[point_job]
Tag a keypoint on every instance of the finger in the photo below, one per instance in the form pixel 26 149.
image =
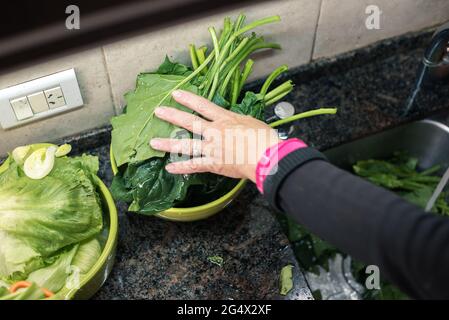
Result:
pixel 182 146
pixel 195 165
pixel 182 119
pixel 199 104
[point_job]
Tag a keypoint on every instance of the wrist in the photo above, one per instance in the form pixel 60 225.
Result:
pixel 268 162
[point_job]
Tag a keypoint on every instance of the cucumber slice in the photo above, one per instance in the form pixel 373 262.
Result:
pixel 19 154
pixel 40 163
pixel 63 150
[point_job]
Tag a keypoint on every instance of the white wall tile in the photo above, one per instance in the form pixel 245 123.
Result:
pixel 126 59
pixel 98 109
pixel 341 26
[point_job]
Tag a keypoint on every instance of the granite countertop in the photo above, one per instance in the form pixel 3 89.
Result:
pixel 157 259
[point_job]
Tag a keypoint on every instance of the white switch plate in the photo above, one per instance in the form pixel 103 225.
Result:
pixel 22 108
pixel 66 80
pixel 38 102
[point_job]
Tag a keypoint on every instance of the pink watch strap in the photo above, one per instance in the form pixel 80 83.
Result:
pixel 272 156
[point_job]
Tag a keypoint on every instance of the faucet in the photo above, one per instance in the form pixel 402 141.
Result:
pixel 434 66
pixel 436 58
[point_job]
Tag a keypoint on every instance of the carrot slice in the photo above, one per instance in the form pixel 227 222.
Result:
pixel 26 284
pixel 19 285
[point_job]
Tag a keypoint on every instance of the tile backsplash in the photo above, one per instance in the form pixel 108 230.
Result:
pixel 310 29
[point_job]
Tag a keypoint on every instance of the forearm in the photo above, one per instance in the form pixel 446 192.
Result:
pixel 370 223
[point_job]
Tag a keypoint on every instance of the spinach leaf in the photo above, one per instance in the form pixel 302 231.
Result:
pixel 133 130
pixel 252 105
pixel 150 188
pixel 173 68
pixel 142 180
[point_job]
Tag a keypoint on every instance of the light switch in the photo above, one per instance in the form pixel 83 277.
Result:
pixel 38 102
pixel 21 108
pixel 55 97
pixel 48 96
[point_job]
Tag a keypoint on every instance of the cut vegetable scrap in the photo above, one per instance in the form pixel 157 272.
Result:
pixel 19 154
pixel 39 164
pixel 63 150
pixel 286 279
pixel 216 260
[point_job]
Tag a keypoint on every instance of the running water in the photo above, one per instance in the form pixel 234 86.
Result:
pixel 416 90
pixel 437 191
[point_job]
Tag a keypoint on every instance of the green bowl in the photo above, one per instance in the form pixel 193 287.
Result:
pixel 92 281
pixel 193 213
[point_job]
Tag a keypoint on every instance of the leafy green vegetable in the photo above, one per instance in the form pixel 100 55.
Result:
pixel 399 174
pixel 286 280
pixel 43 222
pixel 87 255
pixel 31 293
pixel 134 129
pixel 219 74
pixel 53 277
pixel 150 188
pixel 216 260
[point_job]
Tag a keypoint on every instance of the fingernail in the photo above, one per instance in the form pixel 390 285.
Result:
pixel 169 167
pixel 155 143
pixel 159 111
pixel 177 94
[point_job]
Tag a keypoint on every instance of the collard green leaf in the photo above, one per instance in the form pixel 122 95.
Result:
pixel 133 130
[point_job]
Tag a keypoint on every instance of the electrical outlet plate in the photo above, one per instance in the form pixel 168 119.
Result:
pixel 64 82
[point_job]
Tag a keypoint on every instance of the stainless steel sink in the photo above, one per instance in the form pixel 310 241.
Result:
pixel 427 140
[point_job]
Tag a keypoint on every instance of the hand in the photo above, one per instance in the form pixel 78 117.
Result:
pixel 231 143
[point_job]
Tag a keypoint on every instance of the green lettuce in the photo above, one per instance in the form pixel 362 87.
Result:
pixel 45 223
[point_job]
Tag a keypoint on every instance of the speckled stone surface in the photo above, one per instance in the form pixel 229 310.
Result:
pixel 157 259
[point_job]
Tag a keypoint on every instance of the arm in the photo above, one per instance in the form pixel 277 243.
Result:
pixel 372 224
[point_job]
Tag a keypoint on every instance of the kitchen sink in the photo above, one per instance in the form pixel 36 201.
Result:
pixel 427 140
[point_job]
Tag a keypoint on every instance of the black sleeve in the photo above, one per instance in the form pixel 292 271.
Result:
pixel 410 247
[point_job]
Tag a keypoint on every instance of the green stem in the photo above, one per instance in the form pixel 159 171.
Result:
pixel 235 87
pixel 247 28
pixel 258 23
pixel 215 42
pixel 302 115
pixel 226 31
pixel 248 51
pixel 286 86
pixel 239 22
pixel 245 74
pixel 276 98
pixel 271 78
pixel 226 80
pixel 214 87
pixel 187 79
pixel 237 50
pixel 201 55
pixel 193 57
